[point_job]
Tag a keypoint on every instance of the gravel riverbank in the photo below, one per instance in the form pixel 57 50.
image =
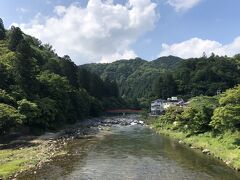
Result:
pixel 31 152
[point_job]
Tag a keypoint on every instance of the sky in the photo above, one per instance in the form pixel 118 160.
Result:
pixel 108 30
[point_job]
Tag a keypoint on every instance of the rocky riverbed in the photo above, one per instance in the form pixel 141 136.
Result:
pixel 34 151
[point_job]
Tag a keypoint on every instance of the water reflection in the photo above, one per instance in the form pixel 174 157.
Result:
pixel 132 152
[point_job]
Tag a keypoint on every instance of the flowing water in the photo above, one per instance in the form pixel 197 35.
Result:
pixel 132 152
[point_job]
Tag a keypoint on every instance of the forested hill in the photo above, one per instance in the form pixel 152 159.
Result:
pixel 135 77
pixel 170 76
pixel 40 90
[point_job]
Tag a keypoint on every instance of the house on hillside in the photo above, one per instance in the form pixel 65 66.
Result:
pixel 159 106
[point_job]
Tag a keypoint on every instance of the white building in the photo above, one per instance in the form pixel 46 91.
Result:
pixel 159 106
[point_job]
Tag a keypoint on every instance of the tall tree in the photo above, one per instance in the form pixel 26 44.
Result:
pixel 2 30
pixel 15 38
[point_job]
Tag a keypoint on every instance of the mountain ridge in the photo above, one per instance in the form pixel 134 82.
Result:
pixel 135 77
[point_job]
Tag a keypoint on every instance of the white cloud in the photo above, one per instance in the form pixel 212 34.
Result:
pixel 195 47
pixel 183 5
pixel 101 31
pixel 128 54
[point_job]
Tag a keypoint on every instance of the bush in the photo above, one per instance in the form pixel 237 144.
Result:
pixel 197 115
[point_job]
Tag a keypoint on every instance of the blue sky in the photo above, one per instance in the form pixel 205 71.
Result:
pixel 184 28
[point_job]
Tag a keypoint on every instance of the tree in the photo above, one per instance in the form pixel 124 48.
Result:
pixel 96 87
pixel 15 38
pixel 9 118
pixel 29 110
pixel 2 30
pixel 165 86
pixel 26 75
pixel 24 49
pixel 84 78
pixel 57 88
pixel 47 113
pixel 69 69
pixel 95 107
pixel 227 116
pixel 197 115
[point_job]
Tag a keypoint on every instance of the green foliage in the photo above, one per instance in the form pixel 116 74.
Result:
pixel 40 90
pixel 47 112
pixel 15 38
pixel 134 77
pixel 53 84
pixel 24 49
pixel 172 115
pixel 25 75
pixel 69 70
pixel 170 76
pixel 205 76
pixel 9 118
pixel 217 114
pixel 4 77
pixel 197 116
pixel 29 110
pixel 95 107
pixel 231 96
pixel 6 98
pixel 2 30
pixel 165 86
pixel 227 116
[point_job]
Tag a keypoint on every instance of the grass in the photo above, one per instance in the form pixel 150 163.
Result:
pixel 13 161
pixel 8 167
pixel 225 146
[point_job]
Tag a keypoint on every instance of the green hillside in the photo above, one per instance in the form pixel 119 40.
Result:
pixel 135 77
pixel 40 90
pixel 170 76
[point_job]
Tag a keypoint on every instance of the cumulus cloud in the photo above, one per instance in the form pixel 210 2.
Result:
pixel 195 47
pixel 101 31
pixel 183 5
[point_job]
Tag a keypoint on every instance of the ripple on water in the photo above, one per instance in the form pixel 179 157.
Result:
pixel 133 152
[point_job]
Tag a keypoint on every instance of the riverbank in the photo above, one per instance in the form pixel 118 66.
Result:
pixel 31 152
pixel 225 147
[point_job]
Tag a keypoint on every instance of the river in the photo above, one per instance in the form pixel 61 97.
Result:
pixel 132 152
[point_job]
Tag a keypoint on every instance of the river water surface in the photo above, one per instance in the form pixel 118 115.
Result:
pixel 132 152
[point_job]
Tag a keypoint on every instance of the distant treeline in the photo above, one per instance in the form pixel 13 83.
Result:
pixel 142 81
pixel 199 76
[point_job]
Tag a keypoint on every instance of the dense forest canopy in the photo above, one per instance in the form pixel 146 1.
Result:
pixel 40 90
pixel 134 76
pixel 170 76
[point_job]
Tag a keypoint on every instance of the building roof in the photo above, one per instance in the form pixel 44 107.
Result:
pixel 173 99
